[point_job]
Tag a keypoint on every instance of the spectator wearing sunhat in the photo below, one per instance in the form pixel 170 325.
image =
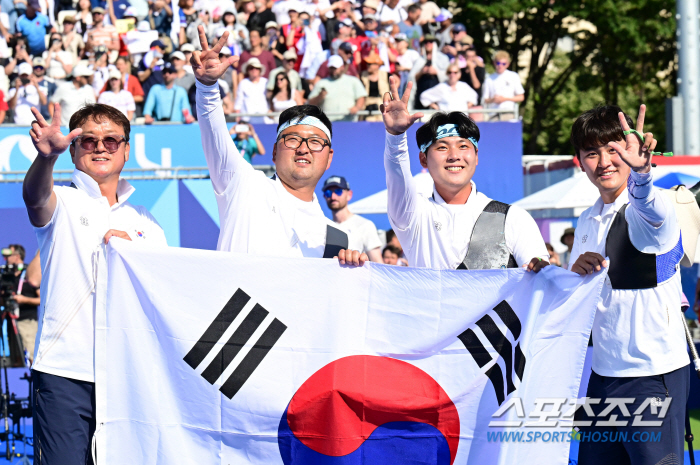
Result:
pixel 75 94
pixel 25 95
pixel 376 84
pixel 251 96
pixel 101 33
pixel 339 93
pixel 289 59
pixel 72 41
pixel 117 97
pixel 567 238
pixel 34 26
pixel 167 102
pixel 150 70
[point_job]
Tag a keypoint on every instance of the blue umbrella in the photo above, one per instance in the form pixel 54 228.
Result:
pixel 674 179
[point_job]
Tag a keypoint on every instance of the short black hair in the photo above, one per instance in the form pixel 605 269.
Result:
pixel 597 126
pixel 299 111
pixel 393 249
pixel 19 249
pixel 389 235
pixel 413 7
pixel 465 126
pixel 99 112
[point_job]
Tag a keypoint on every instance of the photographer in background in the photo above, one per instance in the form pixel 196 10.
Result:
pixel 25 95
pixel 25 293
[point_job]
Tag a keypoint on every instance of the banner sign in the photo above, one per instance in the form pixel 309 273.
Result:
pixel 221 358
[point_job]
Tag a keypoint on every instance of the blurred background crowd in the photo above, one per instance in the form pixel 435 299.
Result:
pixel 134 55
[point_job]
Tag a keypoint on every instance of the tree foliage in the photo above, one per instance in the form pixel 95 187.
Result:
pixel 577 54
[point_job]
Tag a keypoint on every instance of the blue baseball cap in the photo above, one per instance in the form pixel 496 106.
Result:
pixel 336 181
pixel 458 27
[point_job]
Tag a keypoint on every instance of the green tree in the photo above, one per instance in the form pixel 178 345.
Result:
pixel 620 53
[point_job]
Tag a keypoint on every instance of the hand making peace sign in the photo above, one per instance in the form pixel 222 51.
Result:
pixel 395 113
pixel 636 153
pixel 207 66
pixel 47 138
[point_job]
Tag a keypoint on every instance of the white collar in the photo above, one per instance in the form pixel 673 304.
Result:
pixel 440 201
pixel 85 183
pixel 598 207
pixel 279 185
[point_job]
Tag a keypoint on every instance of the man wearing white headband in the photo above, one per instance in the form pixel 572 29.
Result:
pixel 458 227
pixel 281 216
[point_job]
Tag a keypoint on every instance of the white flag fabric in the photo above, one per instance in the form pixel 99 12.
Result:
pixel 220 358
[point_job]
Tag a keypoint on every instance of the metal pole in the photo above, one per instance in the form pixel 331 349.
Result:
pixel 689 72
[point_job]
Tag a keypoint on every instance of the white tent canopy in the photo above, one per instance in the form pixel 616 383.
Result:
pixel 576 192
pixel 376 203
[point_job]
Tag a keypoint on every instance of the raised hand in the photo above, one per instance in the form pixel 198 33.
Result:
pixel 47 138
pixel 395 113
pixel 207 66
pixel 636 153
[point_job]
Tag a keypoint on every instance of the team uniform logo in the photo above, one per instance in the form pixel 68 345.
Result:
pixel 368 409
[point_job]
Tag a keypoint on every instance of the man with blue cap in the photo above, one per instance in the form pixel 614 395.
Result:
pixel 281 216
pixel 457 227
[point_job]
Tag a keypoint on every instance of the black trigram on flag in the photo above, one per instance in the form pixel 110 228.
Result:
pixel 235 343
pixel 514 361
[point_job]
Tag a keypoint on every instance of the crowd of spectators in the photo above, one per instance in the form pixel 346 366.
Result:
pixel 134 55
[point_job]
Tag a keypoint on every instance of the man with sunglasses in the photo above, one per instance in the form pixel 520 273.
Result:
pixel 71 222
pixel 281 216
pixel 363 233
pixel 503 89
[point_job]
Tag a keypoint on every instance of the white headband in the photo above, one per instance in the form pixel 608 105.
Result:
pixel 306 120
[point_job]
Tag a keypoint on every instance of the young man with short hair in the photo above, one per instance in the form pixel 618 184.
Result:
pixel 639 348
pixel 458 227
pixel 363 233
pixel 71 222
pixel 278 217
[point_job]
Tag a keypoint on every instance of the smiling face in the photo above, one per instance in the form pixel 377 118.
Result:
pixel 300 167
pixel 605 169
pixel 99 164
pixel 451 162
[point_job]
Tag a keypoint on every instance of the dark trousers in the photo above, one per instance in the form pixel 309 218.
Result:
pixel 628 445
pixel 64 420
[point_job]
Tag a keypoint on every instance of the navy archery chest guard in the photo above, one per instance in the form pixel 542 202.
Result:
pixel 631 269
pixel 487 245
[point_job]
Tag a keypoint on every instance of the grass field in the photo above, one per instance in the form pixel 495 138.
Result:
pixel 695 428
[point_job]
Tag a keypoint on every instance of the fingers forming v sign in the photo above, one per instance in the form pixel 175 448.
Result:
pixel 636 153
pixel 207 66
pixel 395 113
pixel 47 138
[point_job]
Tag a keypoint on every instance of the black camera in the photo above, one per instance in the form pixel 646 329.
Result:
pixel 9 281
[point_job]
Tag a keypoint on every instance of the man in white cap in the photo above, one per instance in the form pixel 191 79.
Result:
pixel 187 50
pixel 25 95
pixel 183 78
pixel 251 97
pixel 74 94
pixel 278 217
pixel 339 93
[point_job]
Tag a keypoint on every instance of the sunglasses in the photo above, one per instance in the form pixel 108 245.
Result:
pixel 454 72
pixel 111 143
pixel 502 63
pixel 328 193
